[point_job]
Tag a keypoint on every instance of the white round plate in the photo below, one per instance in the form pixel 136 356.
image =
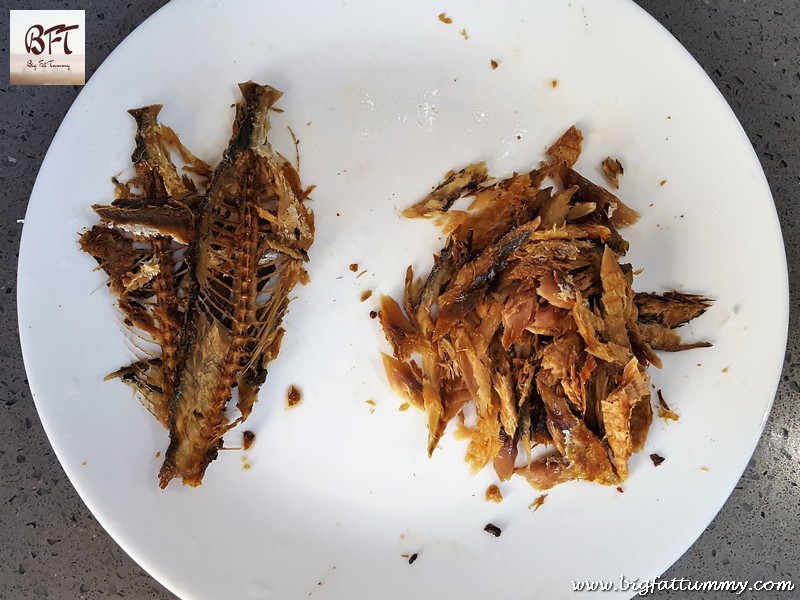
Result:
pixel 385 97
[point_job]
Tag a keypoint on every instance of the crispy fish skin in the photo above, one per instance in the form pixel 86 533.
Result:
pixel 528 314
pixel 586 457
pixel 155 171
pixel 451 189
pixel 619 213
pixel 613 170
pixel 474 278
pixel 566 149
pixel 253 236
pixel 173 219
pixel 670 309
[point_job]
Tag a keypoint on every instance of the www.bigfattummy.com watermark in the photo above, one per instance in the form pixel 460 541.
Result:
pixel 643 587
pixel 47 47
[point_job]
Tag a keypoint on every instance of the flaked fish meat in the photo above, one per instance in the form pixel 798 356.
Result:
pixel 528 316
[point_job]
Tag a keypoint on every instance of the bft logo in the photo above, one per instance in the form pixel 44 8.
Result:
pixel 47 47
pixel 35 38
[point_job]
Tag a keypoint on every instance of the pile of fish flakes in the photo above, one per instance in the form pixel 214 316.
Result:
pixel 529 319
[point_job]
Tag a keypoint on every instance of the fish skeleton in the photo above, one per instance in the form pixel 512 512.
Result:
pixel 219 255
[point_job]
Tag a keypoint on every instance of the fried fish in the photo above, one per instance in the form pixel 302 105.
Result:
pixel 202 265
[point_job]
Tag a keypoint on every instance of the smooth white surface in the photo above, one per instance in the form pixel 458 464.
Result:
pixel 385 98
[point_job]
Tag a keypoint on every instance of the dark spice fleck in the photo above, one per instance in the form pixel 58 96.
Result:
pixel 373 314
pixel 493 529
pixel 412 558
pixel 657 460
pixel 248 438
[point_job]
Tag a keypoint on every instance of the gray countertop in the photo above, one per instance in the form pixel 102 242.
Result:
pixel 51 546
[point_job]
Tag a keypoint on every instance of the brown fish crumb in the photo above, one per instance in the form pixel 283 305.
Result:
pixel 366 295
pixel 373 314
pixel 657 460
pixel 354 267
pixel 248 439
pixel 293 397
pixel 662 182
pixel 445 19
pixel 464 34
pixel 404 406
pixel 534 506
pixel 494 64
pixel 493 529
pixel 554 83
pixel 613 169
pixel 620 490
pixel 493 494
pixel 664 411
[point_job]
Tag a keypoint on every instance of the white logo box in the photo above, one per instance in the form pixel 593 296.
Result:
pixel 47 47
